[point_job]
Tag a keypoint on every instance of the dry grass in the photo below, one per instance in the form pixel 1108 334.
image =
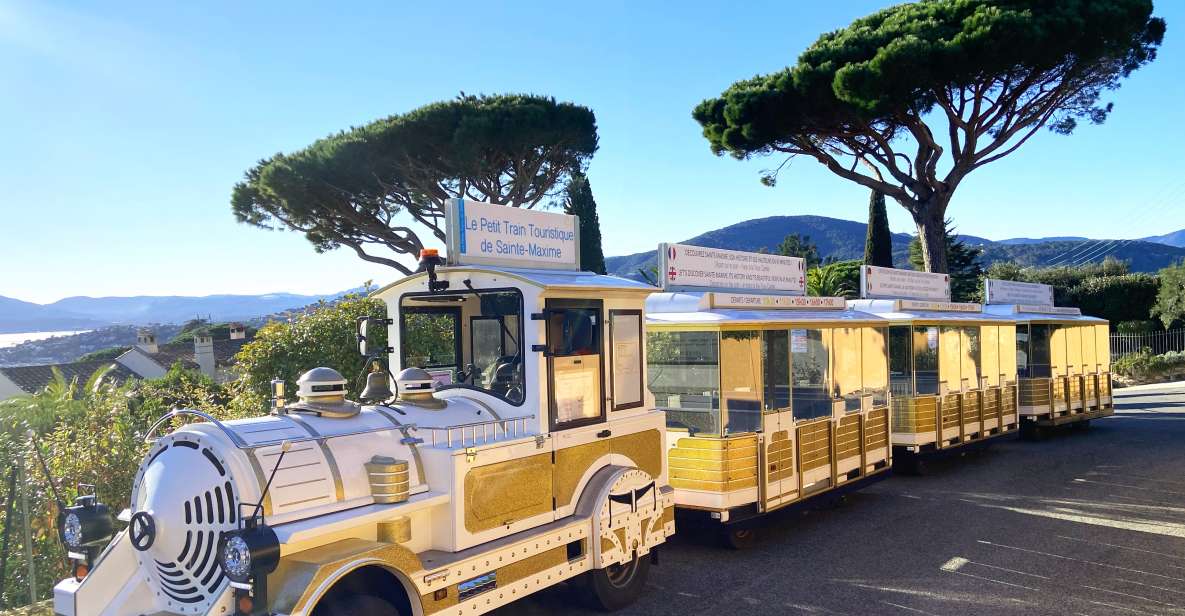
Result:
pixel 45 608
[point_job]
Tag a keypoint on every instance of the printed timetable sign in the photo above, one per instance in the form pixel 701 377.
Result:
pixel 1012 292
pixel 487 234
pixel 888 283
pixel 695 267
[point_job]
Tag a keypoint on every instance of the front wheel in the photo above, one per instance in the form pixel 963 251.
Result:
pixel 739 537
pixel 617 586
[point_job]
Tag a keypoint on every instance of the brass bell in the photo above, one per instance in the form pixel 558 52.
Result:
pixel 378 387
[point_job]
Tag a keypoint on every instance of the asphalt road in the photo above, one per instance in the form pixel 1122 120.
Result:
pixel 1086 523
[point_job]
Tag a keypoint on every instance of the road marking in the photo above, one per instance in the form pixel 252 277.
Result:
pixel 1122 547
pixel 1089 562
pixel 1141 477
pixel 911 496
pixel 1123 594
pixel 687 594
pixel 1151 526
pixel 980 577
pixel 906 607
pixel 752 601
pixel 1176 592
pixel 979 564
pixel 1127 487
pixel 812 609
pixel 1119 607
pixel 954 564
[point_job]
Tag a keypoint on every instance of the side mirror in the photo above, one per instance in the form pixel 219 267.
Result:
pixel 363 327
pixel 362 335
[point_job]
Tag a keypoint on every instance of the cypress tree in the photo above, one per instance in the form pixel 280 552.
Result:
pixel 579 202
pixel 878 247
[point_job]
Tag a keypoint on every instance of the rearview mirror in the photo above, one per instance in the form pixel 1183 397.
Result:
pixel 363 327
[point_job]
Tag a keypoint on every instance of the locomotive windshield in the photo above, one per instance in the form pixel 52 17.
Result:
pixel 470 339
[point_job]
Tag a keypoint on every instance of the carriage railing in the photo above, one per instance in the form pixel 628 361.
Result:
pixel 476 433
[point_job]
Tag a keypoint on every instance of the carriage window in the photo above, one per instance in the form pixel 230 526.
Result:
pixel 808 360
pixel 875 374
pixel 970 353
pixel 1022 351
pixel 430 337
pixel 775 353
pixel 1039 351
pixel 740 381
pixel 925 360
pixel 900 361
pixel 683 370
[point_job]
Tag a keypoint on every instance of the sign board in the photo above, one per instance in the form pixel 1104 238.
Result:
pixel 499 235
pixel 774 302
pixel 686 267
pixel 1042 309
pixel 888 283
pixel 915 304
pixel 1012 292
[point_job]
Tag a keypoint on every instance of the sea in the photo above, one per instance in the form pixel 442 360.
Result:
pixel 9 340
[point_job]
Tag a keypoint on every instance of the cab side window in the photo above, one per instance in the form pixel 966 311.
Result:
pixel 574 333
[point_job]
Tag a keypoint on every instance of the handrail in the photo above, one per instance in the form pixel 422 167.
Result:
pixel 173 414
pixel 469 436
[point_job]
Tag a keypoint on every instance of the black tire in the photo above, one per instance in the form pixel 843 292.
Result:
pixel 617 586
pixel 912 465
pixel 356 605
pixel 739 537
pixel 1082 425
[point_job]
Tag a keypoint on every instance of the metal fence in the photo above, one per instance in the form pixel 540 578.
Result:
pixel 1159 342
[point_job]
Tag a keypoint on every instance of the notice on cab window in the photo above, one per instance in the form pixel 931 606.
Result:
pixel 577 388
pixel 627 359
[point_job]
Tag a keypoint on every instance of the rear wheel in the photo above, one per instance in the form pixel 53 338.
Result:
pixel 356 605
pixel 1030 431
pixel 617 586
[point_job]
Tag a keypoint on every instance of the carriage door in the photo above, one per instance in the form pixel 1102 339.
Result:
pixel 777 419
pixel 576 392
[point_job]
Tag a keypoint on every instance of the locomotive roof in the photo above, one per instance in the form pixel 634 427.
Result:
pixel 548 279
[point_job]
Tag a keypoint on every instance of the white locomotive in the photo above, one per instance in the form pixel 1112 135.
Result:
pixel 525 453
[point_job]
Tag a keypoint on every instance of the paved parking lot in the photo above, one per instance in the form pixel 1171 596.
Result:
pixel 1087 523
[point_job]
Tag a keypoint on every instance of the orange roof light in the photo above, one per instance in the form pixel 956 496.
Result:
pixel 429 252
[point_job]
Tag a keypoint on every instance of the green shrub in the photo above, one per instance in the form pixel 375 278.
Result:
pixel 1137 327
pixel 285 350
pixel 1116 298
pixel 1145 366
pixel 90 432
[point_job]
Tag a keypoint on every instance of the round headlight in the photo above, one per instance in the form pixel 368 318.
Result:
pixel 72 530
pixel 236 558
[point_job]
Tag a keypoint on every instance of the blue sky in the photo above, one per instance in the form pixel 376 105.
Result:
pixel 126 125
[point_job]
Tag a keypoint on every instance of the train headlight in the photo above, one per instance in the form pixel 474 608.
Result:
pixel 246 556
pixel 88 523
pixel 235 557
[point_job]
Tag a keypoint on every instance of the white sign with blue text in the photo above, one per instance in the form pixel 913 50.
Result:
pixel 499 235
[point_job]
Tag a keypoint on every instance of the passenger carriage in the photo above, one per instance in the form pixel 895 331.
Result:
pixel 952 366
pixel 519 450
pixel 770 399
pixel 1063 357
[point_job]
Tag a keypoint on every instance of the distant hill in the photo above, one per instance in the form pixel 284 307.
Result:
pixel 1041 240
pixel 18 316
pixel 844 239
pixel 1176 238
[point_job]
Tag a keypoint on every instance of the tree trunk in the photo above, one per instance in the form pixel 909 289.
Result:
pixel 932 234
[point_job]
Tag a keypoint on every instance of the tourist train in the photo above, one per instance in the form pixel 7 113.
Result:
pixel 531 423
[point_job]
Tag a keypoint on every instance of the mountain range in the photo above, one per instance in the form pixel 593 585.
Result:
pixel 18 316
pixel 844 239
